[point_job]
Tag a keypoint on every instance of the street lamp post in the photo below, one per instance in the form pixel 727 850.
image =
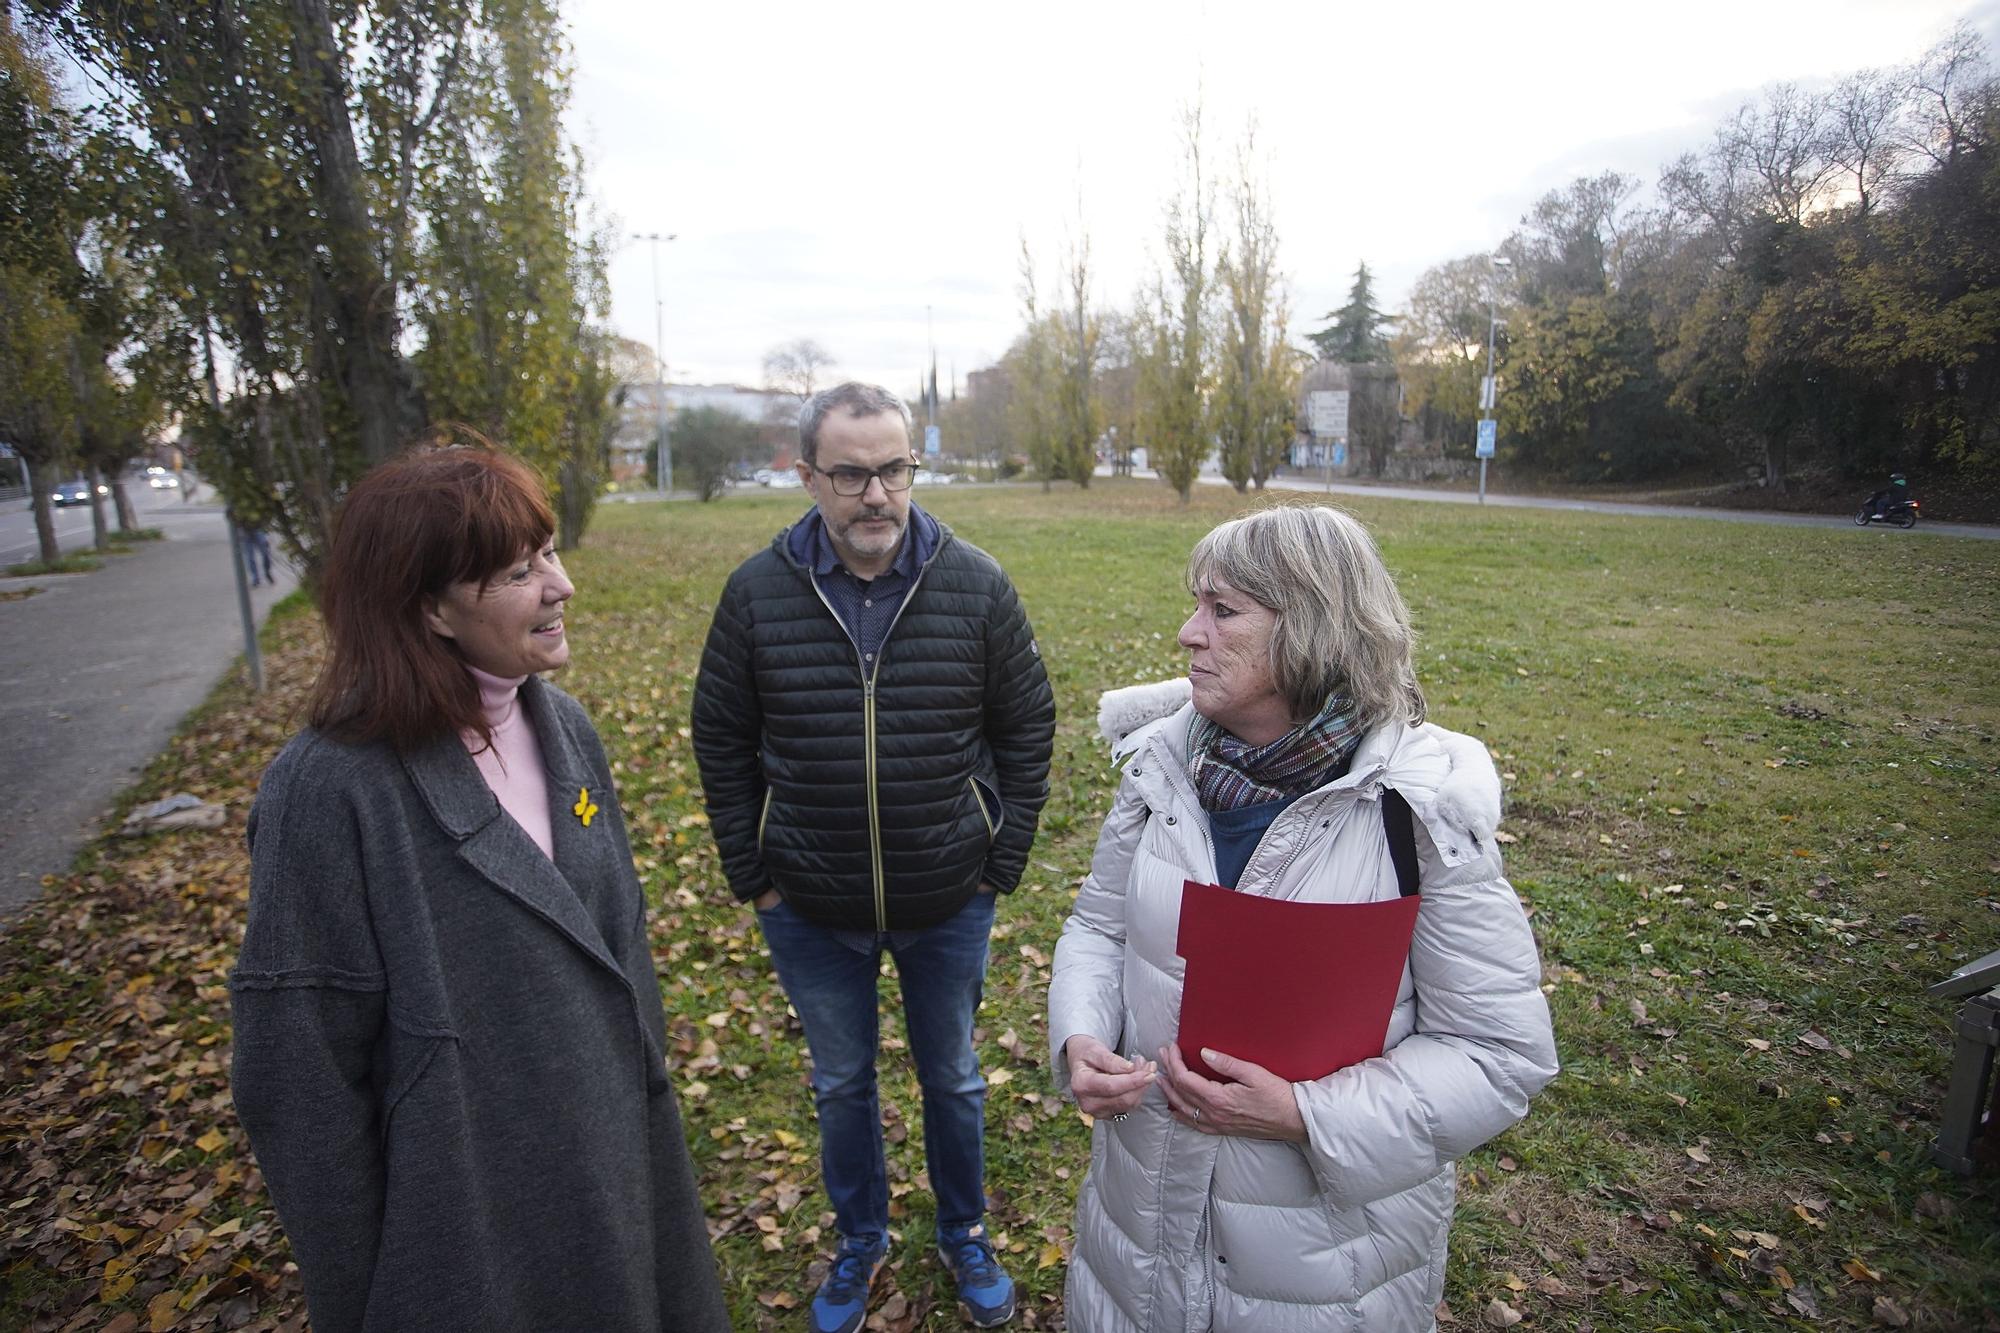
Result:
pixel 1489 392
pixel 663 458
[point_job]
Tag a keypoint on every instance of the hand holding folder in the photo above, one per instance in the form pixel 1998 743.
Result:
pixel 1300 988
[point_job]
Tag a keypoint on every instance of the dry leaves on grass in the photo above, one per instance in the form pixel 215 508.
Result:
pixel 129 1199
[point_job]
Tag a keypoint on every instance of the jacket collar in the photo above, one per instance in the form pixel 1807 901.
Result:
pixel 498 849
pixel 923 538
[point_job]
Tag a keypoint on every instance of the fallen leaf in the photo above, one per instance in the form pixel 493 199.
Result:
pixel 163 1311
pixel 1499 1314
pixel 1698 1155
pixel 1887 1312
pixel 1860 1271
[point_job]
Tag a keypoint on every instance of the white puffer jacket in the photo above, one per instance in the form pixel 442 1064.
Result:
pixel 1180 1230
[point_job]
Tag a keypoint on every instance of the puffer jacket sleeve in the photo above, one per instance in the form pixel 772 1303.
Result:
pixel 308 1003
pixel 1482 1045
pixel 1087 989
pixel 728 728
pixel 1020 732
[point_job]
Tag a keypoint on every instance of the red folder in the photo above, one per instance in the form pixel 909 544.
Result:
pixel 1302 989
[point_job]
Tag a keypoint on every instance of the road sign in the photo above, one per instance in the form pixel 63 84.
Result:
pixel 1486 393
pixel 1340 453
pixel 1488 432
pixel 933 441
pixel 1327 409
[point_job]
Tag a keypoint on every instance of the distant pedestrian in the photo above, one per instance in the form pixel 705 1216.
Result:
pixel 450 1051
pixel 256 549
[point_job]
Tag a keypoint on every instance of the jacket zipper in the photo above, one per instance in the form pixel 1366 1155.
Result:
pixel 763 818
pixel 868 727
pixel 980 801
pixel 1175 776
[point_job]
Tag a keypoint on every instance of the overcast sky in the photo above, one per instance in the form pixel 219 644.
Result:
pixel 833 171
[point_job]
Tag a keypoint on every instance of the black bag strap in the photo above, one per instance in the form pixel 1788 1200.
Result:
pixel 1399 822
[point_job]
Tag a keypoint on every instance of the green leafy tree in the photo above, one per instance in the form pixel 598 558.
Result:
pixel 1033 406
pixel 1175 347
pixel 1257 373
pixel 41 218
pixel 303 167
pixel 708 443
pixel 1079 416
pixel 1440 348
pixel 1353 334
pixel 508 280
pixel 38 409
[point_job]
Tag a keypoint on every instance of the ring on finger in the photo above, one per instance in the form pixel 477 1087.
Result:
pixel 1195 1114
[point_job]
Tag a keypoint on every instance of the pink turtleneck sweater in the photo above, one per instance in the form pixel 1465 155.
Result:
pixel 512 765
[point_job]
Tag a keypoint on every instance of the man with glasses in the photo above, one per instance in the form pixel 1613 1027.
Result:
pixel 873 726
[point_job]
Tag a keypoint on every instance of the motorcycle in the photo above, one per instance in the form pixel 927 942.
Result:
pixel 1901 513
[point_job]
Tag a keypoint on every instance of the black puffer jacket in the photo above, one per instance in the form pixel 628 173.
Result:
pixel 876 807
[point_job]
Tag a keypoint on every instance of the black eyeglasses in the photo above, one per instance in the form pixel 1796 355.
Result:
pixel 852 481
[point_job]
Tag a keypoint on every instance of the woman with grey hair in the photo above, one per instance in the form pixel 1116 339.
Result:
pixel 1299 769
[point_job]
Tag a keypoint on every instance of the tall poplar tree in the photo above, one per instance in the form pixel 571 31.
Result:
pixel 1175 348
pixel 1257 373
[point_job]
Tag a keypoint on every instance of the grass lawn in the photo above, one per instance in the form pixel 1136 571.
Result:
pixel 1752 807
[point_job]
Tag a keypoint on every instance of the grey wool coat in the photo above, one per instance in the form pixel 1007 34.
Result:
pixel 449 1051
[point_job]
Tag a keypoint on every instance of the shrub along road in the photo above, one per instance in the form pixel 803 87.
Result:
pixel 1751 807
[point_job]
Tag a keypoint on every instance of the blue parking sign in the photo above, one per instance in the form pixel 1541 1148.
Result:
pixel 1488 432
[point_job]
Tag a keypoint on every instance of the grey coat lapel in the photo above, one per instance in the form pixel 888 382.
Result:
pixel 502 854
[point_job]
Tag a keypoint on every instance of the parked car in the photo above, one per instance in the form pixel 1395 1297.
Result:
pixel 77 492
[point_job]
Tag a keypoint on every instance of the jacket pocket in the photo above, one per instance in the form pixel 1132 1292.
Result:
pixel 764 817
pixel 406 1055
pixel 990 808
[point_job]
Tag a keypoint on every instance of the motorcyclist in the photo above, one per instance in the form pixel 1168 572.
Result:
pixel 1897 492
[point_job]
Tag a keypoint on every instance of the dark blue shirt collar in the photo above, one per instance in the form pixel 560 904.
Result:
pixel 810 544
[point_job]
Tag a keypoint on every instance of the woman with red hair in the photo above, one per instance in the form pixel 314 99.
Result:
pixel 449 1043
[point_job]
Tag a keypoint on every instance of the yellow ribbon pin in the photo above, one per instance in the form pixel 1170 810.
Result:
pixel 584 807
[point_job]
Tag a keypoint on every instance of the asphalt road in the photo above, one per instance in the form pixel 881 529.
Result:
pixel 1983 531
pixel 96 671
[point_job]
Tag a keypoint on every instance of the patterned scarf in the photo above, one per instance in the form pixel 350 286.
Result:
pixel 1229 774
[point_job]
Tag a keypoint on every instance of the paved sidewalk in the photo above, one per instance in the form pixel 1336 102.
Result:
pixel 96 671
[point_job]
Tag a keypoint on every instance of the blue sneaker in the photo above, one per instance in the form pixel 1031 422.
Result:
pixel 985 1292
pixel 841 1302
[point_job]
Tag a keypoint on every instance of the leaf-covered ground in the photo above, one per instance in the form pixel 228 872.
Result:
pixel 1752 807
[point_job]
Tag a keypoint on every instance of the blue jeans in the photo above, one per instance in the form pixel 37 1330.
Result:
pixel 829 976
